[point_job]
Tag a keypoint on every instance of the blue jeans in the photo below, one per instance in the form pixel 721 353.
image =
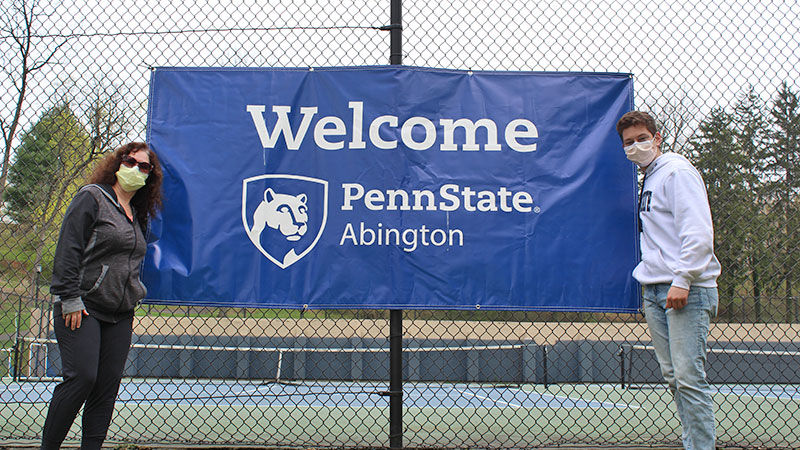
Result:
pixel 679 338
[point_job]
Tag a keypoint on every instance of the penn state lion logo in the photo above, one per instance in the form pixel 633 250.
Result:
pixel 284 215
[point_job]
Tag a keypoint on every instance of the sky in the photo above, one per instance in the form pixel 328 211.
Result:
pixel 699 54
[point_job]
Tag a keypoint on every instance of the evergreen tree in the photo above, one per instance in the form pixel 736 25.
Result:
pixel 751 134
pixel 715 153
pixel 782 186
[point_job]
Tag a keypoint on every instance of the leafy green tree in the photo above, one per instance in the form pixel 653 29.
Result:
pixel 48 162
pixel 53 160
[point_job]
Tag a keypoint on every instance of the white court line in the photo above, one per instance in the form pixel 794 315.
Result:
pixel 360 391
pixel 781 394
pixel 602 404
pixel 487 398
pixel 588 403
pixel 547 398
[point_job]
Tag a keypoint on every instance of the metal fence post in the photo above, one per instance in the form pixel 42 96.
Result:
pixel 396 378
pixel 396 315
pixel 15 375
pixel 544 365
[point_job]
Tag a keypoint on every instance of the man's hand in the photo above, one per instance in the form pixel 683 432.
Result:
pixel 73 319
pixel 677 297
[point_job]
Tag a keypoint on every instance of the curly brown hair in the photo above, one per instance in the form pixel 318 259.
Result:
pixel 147 200
pixel 633 118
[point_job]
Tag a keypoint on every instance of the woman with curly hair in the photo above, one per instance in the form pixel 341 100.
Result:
pixel 96 287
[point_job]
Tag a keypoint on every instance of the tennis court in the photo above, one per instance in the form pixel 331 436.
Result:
pixel 307 399
pixel 356 413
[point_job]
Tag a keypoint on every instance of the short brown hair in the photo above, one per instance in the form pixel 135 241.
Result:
pixel 147 200
pixel 633 118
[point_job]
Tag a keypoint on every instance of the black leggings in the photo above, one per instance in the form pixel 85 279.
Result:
pixel 93 358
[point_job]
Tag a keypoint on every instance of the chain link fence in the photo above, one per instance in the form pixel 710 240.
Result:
pixel 722 78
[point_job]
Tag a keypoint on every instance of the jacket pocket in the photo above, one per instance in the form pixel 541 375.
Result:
pixel 103 271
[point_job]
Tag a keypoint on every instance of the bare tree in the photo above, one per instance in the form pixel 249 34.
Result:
pixel 19 26
pixel 108 116
pixel 676 120
pixel 107 124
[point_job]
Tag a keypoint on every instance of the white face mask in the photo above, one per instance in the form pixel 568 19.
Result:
pixel 641 153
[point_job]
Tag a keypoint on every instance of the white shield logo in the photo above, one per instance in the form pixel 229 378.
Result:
pixel 284 215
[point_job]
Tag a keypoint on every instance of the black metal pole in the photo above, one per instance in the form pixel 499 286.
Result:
pixel 396 33
pixel 396 378
pixel 396 315
pixel 544 365
pixel 41 357
pixel 17 350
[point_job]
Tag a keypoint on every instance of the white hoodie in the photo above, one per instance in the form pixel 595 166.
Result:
pixel 677 240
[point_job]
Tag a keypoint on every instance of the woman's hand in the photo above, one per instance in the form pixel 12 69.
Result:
pixel 73 319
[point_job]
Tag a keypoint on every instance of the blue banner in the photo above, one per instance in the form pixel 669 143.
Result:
pixel 392 187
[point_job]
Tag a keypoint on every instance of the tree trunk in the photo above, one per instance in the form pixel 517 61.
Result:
pixel 729 292
pixel 756 297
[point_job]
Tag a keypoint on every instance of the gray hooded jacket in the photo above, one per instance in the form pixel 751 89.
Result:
pixel 98 257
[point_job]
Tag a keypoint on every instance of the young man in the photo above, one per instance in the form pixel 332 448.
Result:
pixel 678 272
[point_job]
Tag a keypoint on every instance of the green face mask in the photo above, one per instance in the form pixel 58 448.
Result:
pixel 130 178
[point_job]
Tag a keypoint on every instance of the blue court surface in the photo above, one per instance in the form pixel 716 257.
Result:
pixel 358 394
pixel 325 394
pixel 766 391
